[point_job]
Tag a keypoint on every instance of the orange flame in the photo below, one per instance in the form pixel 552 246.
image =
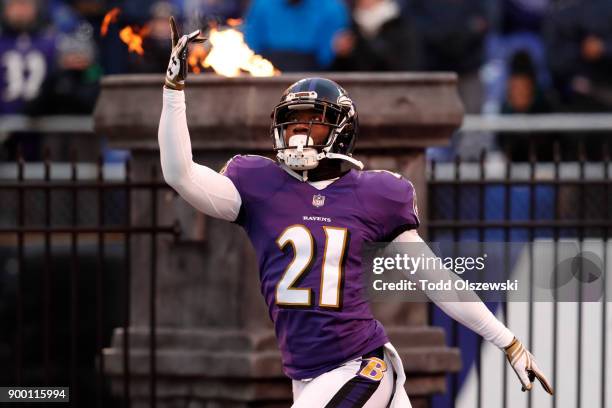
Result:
pixel 230 55
pixel 134 38
pixel 197 55
pixel 110 17
pixel 234 22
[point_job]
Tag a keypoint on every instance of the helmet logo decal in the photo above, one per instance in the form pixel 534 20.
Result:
pixel 346 102
pixel 318 200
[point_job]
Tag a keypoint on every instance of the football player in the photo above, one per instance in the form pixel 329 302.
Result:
pixel 308 214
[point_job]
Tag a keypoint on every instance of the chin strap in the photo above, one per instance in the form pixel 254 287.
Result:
pixel 354 162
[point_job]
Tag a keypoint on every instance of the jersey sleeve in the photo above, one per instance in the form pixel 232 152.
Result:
pixel 232 170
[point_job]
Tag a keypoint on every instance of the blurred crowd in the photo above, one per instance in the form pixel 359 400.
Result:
pixel 512 56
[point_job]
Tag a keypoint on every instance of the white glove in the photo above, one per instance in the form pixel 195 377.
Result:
pixel 177 67
pixel 525 367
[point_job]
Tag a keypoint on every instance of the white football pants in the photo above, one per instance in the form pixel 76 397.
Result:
pixel 363 382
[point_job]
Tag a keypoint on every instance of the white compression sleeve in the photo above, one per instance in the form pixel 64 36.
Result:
pixel 205 189
pixel 474 315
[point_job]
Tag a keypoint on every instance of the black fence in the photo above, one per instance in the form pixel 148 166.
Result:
pixel 564 195
pixel 65 242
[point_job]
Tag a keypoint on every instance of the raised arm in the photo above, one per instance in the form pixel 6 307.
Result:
pixel 202 187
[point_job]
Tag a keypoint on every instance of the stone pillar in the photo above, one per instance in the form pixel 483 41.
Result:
pixel 216 345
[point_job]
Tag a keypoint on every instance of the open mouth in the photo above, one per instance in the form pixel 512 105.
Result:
pixel 300 131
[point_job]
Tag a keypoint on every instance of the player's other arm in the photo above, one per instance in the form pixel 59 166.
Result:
pixel 477 317
pixel 204 188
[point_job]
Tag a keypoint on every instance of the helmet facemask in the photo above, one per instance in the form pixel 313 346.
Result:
pixel 303 151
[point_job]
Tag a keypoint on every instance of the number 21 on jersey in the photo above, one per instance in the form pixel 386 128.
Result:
pixel 300 238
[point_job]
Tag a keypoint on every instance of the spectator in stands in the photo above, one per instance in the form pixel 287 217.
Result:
pixel 523 93
pixel 453 34
pixel 380 39
pixel 525 96
pixel 73 87
pixel 516 29
pixel 27 50
pixel 155 44
pixel 295 35
pixel 579 39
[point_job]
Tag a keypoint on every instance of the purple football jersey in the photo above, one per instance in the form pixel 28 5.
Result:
pixel 308 244
pixel 25 62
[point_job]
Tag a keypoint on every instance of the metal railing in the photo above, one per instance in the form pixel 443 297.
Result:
pixel 493 200
pixel 59 305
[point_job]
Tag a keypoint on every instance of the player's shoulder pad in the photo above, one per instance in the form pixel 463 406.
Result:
pixel 386 185
pixel 391 199
pixel 247 162
pixel 254 176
